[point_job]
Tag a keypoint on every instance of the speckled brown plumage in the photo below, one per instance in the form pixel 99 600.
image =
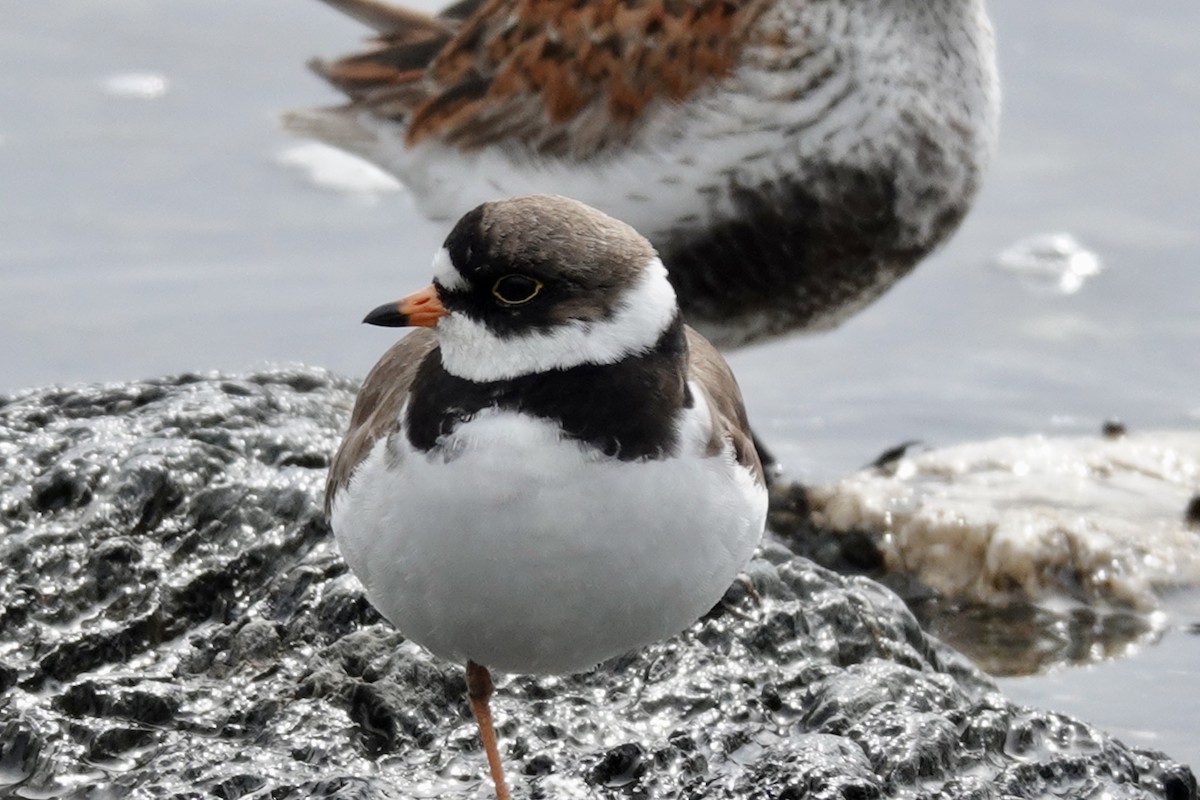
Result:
pixel 789 159
pixel 567 76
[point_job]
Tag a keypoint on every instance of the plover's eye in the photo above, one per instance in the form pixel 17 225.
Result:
pixel 513 290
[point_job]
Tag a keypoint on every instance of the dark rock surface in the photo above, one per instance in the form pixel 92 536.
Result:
pixel 177 623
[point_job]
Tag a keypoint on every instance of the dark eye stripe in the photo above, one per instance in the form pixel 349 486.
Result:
pixel 514 290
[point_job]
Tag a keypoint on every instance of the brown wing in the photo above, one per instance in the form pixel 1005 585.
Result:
pixel 561 77
pixel 708 368
pixel 377 407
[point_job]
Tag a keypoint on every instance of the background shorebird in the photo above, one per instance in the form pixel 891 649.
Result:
pixel 555 470
pixel 789 159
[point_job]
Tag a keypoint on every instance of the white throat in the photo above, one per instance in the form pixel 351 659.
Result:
pixel 471 351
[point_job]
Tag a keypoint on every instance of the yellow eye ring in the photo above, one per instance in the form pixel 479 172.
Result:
pixel 515 290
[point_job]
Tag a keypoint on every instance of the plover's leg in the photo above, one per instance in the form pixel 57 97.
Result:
pixel 479 689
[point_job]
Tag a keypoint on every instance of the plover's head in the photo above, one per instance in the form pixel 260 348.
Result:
pixel 531 284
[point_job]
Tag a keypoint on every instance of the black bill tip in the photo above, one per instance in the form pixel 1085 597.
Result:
pixel 388 315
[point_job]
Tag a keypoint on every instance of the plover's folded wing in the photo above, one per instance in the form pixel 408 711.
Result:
pixel 709 371
pixel 377 409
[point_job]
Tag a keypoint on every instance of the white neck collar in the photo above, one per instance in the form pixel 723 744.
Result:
pixel 471 351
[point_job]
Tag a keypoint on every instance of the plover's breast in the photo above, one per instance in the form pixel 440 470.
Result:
pixel 510 546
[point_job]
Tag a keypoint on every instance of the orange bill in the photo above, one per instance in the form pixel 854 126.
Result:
pixel 423 308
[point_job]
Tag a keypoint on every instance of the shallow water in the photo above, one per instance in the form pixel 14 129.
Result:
pixel 148 227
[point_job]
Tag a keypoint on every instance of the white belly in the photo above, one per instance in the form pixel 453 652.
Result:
pixel 527 553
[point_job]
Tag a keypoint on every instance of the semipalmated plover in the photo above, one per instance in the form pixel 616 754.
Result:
pixel 553 469
pixel 789 159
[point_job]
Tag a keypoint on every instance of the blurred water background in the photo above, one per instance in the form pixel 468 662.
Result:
pixel 154 220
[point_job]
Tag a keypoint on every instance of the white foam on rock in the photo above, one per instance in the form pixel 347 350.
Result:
pixel 1033 518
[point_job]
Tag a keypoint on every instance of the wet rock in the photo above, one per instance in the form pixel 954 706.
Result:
pixel 176 622
pixel 621 766
pixel 110 699
pixel 256 642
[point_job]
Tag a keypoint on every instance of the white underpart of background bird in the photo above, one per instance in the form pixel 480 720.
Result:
pixel 846 140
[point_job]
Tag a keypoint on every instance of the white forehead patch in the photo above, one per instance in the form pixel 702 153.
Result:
pixel 470 350
pixel 444 272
